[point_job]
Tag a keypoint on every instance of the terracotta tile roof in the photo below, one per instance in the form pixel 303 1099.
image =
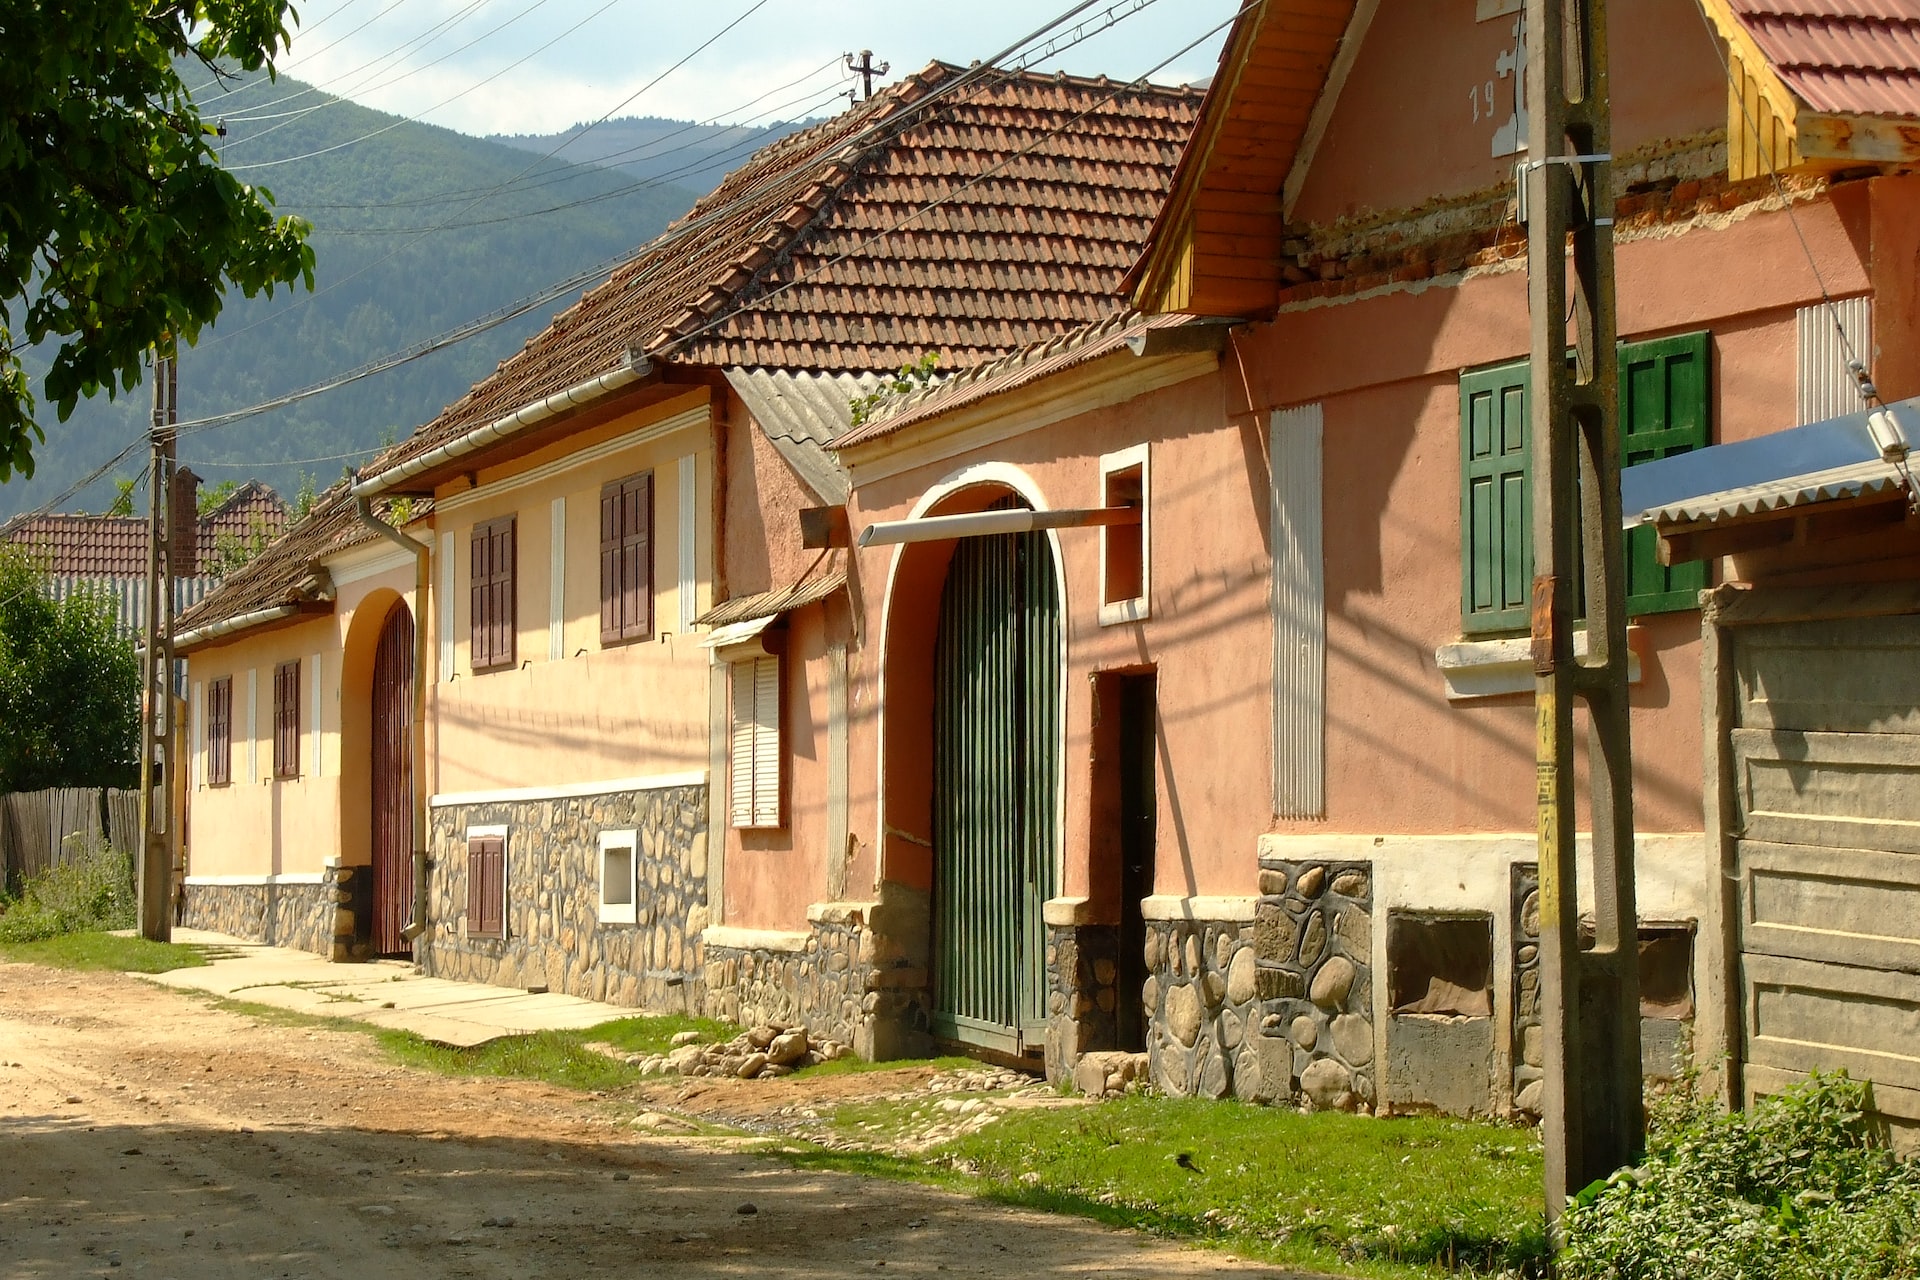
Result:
pixel 288 572
pixel 1853 57
pixel 85 546
pixel 752 277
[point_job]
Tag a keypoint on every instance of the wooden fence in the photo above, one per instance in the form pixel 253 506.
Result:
pixel 42 829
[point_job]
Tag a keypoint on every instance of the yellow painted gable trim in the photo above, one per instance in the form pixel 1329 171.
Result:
pixel 1762 113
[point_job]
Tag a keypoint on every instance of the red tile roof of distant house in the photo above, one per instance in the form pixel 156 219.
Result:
pixel 1851 57
pixel 88 546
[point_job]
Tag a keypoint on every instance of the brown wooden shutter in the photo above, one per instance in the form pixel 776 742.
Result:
pixel 637 621
pixel 479 624
pixel 486 887
pixel 610 564
pixel 286 720
pixel 506 593
pixel 220 732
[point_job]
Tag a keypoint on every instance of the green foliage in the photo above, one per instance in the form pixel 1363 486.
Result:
pixel 303 499
pixel 231 550
pixel 556 1057
pixel 912 376
pixel 122 498
pixel 122 231
pixel 91 891
pixel 69 686
pixel 108 952
pixel 213 495
pixel 1798 1187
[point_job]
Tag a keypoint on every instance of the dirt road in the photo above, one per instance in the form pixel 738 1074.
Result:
pixel 145 1133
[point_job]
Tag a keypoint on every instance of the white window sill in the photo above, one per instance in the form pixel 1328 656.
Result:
pixel 1122 611
pixel 1494 668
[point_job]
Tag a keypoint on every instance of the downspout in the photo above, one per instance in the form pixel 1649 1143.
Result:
pixel 422 584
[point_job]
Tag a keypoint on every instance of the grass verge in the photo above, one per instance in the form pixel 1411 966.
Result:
pixel 555 1057
pixel 1386 1198
pixel 104 951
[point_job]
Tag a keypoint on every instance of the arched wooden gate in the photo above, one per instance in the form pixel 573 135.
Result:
pixel 996 783
pixel 392 776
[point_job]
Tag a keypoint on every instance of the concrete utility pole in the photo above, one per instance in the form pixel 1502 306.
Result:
pixel 1590 1000
pixel 154 878
pixel 866 68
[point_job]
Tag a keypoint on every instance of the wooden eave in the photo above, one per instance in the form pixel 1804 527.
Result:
pixel 1214 250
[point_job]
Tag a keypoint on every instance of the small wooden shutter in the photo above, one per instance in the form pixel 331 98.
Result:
pixel 1664 410
pixel 1496 564
pixel 480 604
pixel 220 732
pixel 626 559
pixel 755 773
pixel 486 887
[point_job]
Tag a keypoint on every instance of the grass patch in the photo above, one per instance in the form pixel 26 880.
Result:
pixel 1388 1198
pixel 860 1066
pixel 109 952
pixel 554 1057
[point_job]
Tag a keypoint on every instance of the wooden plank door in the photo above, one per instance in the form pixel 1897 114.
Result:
pixel 996 790
pixel 392 769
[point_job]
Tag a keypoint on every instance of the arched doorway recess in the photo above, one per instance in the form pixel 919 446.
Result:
pixel 391 775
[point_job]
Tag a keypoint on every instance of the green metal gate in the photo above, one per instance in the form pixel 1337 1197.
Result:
pixel 996 728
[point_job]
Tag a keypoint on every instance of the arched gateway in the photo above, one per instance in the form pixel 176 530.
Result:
pixel 391 769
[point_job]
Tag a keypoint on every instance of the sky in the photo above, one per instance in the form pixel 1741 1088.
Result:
pixel 540 66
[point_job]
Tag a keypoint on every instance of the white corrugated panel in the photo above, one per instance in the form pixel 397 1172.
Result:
pixel 1827 388
pixel 1299 617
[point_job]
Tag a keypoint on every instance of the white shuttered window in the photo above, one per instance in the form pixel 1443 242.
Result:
pixel 755 771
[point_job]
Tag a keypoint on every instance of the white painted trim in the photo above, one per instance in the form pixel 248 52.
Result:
pixel 1096 385
pixel 700 416
pixel 449 570
pixel 627 912
pixel 494 829
pixel 317 745
pixel 197 712
pixel 557 584
pixel 1066 912
pixel 1012 477
pixel 282 877
pixel 687 547
pixel 653 782
pixel 1494 668
pixel 1172 906
pixel 253 725
pixel 1298 601
pixel 738 939
pixel 356 564
pixel 1139 607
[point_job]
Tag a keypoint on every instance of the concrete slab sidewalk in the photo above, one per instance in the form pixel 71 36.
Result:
pixel 386 993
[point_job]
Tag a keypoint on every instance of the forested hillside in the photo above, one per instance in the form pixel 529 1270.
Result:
pixel 695 156
pixel 417 230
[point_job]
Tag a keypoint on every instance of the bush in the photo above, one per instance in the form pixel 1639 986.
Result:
pixel 93 890
pixel 1798 1187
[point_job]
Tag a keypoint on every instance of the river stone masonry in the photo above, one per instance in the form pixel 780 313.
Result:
pixel 1082 999
pixel 1202 998
pixel 1529 1033
pixel 554 937
pixel 1313 935
pixel 849 982
pixel 301 916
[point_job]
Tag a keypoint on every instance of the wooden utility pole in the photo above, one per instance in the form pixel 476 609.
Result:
pixel 1590 1001
pixel 866 68
pixel 154 877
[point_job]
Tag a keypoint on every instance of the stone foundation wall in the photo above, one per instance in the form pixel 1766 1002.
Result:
pixel 1082 1000
pixel 554 937
pixel 849 982
pixel 300 916
pixel 1204 1006
pixel 1529 1042
pixel 1313 933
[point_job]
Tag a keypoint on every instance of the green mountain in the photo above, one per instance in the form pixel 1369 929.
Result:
pixel 417 230
pixel 695 156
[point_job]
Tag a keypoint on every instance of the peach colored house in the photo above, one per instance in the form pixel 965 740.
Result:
pixel 612 566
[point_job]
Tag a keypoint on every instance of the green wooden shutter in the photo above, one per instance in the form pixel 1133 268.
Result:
pixel 1664 410
pixel 1496 555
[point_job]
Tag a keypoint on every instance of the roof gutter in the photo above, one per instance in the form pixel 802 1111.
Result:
pixel 417 744
pixel 228 626
pixel 592 391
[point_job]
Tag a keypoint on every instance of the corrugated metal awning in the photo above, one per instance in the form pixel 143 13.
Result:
pixel 768 605
pixel 1820 462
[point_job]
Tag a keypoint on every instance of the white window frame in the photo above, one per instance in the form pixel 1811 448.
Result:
pixel 627 912
pixel 1139 608
pixel 317 745
pixel 498 830
pixel 757 732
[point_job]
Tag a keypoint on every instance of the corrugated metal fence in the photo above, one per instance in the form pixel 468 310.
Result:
pixel 129 596
pixel 42 829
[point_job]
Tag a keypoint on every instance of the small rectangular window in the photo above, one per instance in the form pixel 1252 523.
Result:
pixel 617 881
pixel 487 882
pixel 220 732
pixel 626 560
pixel 1124 547
pixel 286 720
pixel 495 613
pixel 756 768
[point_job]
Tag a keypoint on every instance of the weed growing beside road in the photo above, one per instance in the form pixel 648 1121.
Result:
pixel 556 1057
pixel 92 891
pixel 1390 1198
